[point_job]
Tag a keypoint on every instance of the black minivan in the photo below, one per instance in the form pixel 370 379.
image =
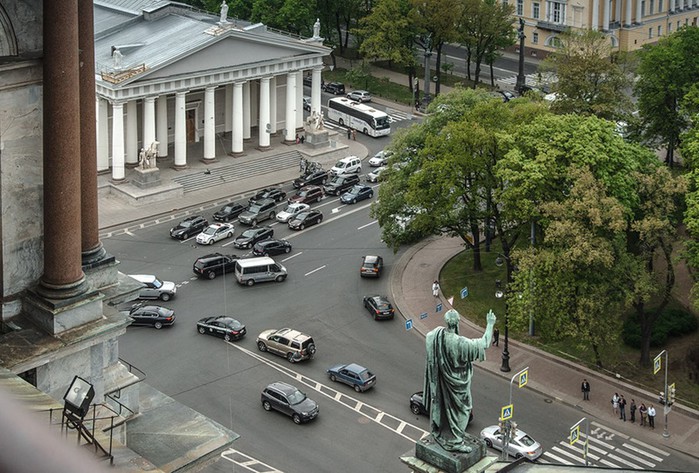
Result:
pixel 335 88
pixel 214 264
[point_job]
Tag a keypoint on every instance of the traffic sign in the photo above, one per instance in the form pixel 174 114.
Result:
pixel 523 378
pixel 506 412
pixel 439 307
pixel 408 324
pixel 575 434
pixel 657 363
pixel 423 315
pixel 464 293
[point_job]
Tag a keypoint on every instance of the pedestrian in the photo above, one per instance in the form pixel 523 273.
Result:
pixel 349 133
pixel 585 388
pixel 632 410
pixel 354 134
pixel 303 138
pixel 615 403
pixel 651 416
pixel 622 408
pixel 302 165
pixel 417 105
pixel 642 411
pixel 496 337
pixel 297 138
pixel 435 288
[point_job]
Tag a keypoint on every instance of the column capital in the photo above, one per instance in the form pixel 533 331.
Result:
pixel 210 87
pixel 150 98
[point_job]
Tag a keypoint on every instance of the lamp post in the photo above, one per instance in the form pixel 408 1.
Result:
pixel 520 72
pixel 505 352
pixel 425 42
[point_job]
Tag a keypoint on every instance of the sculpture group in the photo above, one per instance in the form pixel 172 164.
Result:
pixel 147 157
pixel 315 121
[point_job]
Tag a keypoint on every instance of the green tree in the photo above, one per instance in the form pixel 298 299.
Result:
pixel 294 16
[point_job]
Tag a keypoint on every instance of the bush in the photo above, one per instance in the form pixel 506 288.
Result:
pixel 671 323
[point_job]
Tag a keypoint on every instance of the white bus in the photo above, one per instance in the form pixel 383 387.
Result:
pixel 361 117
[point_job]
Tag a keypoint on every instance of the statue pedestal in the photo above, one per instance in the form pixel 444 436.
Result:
pixel 433 457
pixel 146 178
pixel 317 138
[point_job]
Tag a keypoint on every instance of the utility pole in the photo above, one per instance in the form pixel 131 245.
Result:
pixel 520 73
pixel 428 53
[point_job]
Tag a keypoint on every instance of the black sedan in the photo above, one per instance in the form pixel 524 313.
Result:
pixel 306 219
pixel 314 178
pixel 357 193
pixel 249 237
pixel 379 307
pixel 151 315
pixel 273 193
pixel 228 212
pixel 271 247
pixel 221 326
pixel 417 405
pixel 189 227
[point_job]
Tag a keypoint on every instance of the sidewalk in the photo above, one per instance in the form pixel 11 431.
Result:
pixel 554 377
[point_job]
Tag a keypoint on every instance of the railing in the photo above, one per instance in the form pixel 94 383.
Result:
pixel 116 394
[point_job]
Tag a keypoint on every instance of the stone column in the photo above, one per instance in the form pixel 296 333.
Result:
pixel 299 100
pixel 102 135
pixel 627 14
pixel 228 109
pixel 273 105
pixel 117 142
pixel 595 15
pixel 63 275
pixel 180 131
pixel 246 111
pixel 639 12
pixel 264 127
pixel 92 249
pixel 605 20
pixel 290 118
pixel 132 148
pixel 671 6
pixel 209 125
pixel 148 121
pixel 161 133
pixel 315 89
pixel 237 145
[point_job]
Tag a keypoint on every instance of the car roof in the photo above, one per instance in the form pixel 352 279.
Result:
pixel 283 387
pixel 143 277
pixel 209 256
pixel 355 368
pixel 371 258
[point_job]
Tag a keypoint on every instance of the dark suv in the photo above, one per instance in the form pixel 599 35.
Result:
pixel 340 184
pixel 212 265
pixel 289 400
pixel 258 211
pixel 188 227
pixel 335 88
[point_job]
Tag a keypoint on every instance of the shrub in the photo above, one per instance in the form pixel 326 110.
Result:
pixel 671 323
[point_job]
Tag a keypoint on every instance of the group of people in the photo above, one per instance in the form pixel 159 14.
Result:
pixel 646 414
pixel 351 134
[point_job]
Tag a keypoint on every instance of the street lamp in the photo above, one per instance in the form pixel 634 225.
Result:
pixel 499 293
pixel 520 72
pixel 425 43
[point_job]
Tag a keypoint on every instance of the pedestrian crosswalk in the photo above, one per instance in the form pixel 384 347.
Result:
pixel 534 79
pixel 606 448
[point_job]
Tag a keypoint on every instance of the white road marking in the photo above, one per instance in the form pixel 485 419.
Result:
pixel 292 256
pixel 229 243
pixel 336 209
pixel 642 452
pixel 317 269
pixel 247 462
pixel 634 457
pixel 126 230
pixel 557 459
pixel 612 431
pixel 568 454
pixel 650 447
pixel 368 224
pixel 627 463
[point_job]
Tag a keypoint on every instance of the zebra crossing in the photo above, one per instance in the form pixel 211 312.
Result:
pixel 606 448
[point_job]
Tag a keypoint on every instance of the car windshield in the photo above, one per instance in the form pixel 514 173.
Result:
pixel 340 164
pixel 210 230
pixel 228 208
pixel 185 224
pixel 291 209
pixel 249 233
pixel 296 397
pixel 383 305
pixel 302 215
pixel 302 193
pixel 366 374
pixel 527 441
pixel 157 283
pixel 355 190
pixel 254 208
pixel 382 123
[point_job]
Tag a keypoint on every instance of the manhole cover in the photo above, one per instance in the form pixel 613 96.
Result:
pixel 548 400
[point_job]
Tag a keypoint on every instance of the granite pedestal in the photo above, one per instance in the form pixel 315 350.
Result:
pixel 146 178
pixel 317 138
pixel 430 452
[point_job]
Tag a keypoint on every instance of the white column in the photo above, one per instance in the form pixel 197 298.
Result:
pixel 102 135
pixel 118 141
pixel 605 23
pixel 671 6
pixel 180 131
pixel 246 110
pixel 148 121
pixel 264 113
pixel 273 104
pixel 595 15
pixel 627 15
pixel 299 98
pixel 639 12
pixel 237 145
pixel 290 116
pixel 161 133
pixel 228 109
pixel 209 124
pixel 131 133
pixel 315 89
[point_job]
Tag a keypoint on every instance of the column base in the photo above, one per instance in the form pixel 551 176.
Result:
pixel 118 182
pixel 247 140
pixel 58 315
pixel 289 142
pixel 62 291
pixel 264 148
pixel 179 167
pixel 93 255
pixel 130 165
pixel 208 161
pixel 237 154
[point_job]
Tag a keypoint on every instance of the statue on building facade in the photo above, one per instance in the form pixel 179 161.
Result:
pixel 316 29
pixel 147 157
pixel 224 12
pixel 448 373
pixel 117 57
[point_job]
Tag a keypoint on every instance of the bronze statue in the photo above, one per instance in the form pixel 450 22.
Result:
pixel 448 372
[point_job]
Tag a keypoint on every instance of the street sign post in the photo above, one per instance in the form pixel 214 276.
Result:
pixel 439 307
pixel 657 363
pixel 574 436
pixel 423 315
pixel 506 412
pixel 464 293
pixel 408 324
pixel 523 377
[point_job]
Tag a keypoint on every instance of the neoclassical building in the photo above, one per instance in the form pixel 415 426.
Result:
pixel 170 74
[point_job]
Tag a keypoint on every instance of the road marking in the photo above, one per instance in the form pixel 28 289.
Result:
pixel 568 454
pixel 638 450
pixel 368 224
pixel 229 243
pixel 126 230
pixel 627 463
pixel 292 256
pixel 557 459
pixel 247 462
pixel 579 450
pixel 595 440
pixel 317 269
pixel 336 209
pixel 650 447
pixel 635 457
pixel 612 431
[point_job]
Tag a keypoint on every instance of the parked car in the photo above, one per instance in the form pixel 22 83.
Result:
pixel 228 212
pixel 306 219
pixel 273 193
pixel 249 237
pixel 520 444
pixel 221 326
pixel 307 103
pixel 353 375
pixel 308 80
pixel 335 88
pixel 359 96
pixel 339 184
pixel 215 232
pixel 290 211
pixel 154 288
pixel 271 247
pixel 357 193
pixel 151 315
pixel 307 195
pixel 258 211
pixel 214 264
pixel 379 307
pixel 348 165
pixel 319 177
pixel 288 400
pixel 189 227
pixel 291 344
pixel 371 266
pixel 374 175
pixel 417 406
pixel 380 158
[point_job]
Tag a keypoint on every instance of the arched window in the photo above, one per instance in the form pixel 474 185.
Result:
pixel 8 40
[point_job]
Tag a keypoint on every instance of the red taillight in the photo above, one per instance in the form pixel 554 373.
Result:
pixel 168 319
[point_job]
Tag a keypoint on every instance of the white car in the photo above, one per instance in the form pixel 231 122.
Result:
pixel 154 288
pixel 291 211
pixel 348 165
pixel 380 159
pixel 359 96
pixel 215 232
pixel 520 445
pixel 373 176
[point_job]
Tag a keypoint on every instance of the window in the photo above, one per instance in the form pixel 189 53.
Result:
pixel 535 38
pixel 660 30
pixel 520 7
pixel 643 8
pixel 557 12
pixel 650 33
pixel 669 28
pixel 536 8
pixel 652 5
pixel 660 6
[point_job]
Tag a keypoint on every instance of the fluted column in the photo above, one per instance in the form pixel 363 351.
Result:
pixel 290 115
pixel 180 131
pixel 131 149
pixel 627 15
pixel 315 89
pixel 117 141
pixel 595 14
pixel 237 145
pixel 246 111
pixel 102 135
pixel 209 124
pixel 161 133
pixel 273 105
pixel 148 121
pixel 299 99
pixel 264 126
pixel 607 6
pixel 639 11
pixel 228 109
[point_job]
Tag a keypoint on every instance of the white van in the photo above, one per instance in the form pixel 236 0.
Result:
pixel 249 271
pixel 348 165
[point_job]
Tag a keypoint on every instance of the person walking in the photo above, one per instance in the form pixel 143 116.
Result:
pixel 349 133
pixel 615 403
pixel 632 411
pixel 651 416
pixel 435 288
pixel 622 408
pixel 496 337
pixel 642 411
pixel 585 388
pixel 354 134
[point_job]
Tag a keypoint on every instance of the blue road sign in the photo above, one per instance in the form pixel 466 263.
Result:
pixel 464 293
pixel 423 315
pixel 439 307
pixel 408 324
pixel 506 412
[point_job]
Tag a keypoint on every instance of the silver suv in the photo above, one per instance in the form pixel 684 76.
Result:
pixel 258 211
pixel 154 288
pixel 291 344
